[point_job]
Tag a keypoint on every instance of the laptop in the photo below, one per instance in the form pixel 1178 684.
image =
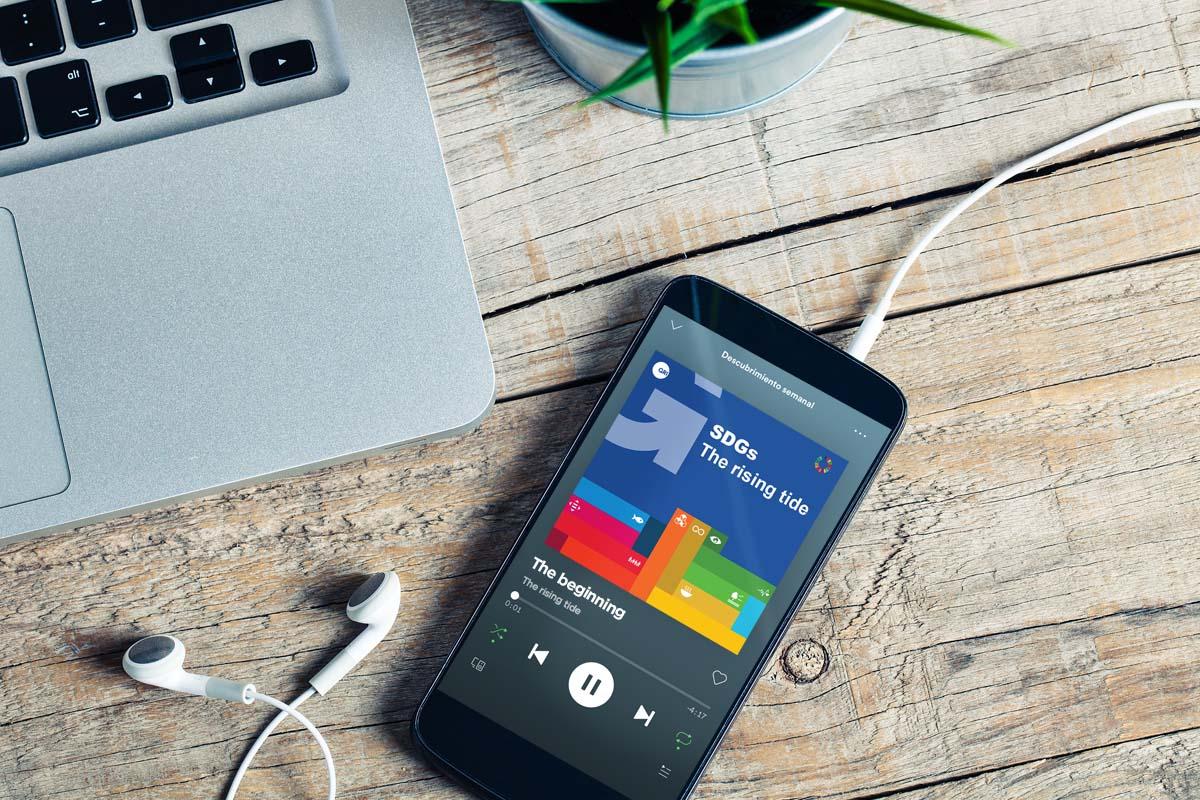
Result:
pixel 228 251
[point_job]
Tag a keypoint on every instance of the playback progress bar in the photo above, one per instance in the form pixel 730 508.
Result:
pixel 529 602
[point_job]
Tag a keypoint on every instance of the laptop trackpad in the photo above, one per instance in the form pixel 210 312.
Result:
pixel 32 461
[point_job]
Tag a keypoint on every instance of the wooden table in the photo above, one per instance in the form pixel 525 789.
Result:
pixel 1016 611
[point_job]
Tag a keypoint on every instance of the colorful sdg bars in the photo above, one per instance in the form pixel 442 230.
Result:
pixel 675 566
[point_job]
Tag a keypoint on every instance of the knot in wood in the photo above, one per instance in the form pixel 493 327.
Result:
pixel 805 660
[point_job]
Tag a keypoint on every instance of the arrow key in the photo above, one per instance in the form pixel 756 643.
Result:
pixel 138 98
pixel 213 80
pixel 283 62
pixel 201 47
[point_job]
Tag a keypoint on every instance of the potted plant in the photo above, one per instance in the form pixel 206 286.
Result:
pixel 703 58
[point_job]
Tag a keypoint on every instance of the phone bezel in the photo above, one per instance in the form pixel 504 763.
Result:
pixel 489 769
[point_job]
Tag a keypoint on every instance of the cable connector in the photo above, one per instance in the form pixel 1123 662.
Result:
pixel 867 333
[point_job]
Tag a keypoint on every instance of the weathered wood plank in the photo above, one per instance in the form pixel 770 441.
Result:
pixel 549 196
pixel 1017 696
pixel 1020 584
pixel 1158 768
pixel 1095 216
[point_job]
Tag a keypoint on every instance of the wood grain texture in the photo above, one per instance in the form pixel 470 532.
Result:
pixel 1019 585
pixel 1155 768
pixel 550 197
pixel 1109 213
pixel 1015 612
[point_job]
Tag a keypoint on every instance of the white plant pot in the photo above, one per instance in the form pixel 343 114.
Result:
pixel 713 83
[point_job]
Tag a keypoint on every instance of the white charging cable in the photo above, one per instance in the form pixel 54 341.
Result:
pixel 262 738
pixel 872 324
pixel 285 711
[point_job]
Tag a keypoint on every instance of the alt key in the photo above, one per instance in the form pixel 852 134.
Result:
pixel 138 98
pixel 63 99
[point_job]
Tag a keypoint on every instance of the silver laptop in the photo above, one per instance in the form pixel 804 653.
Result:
pixel 228 250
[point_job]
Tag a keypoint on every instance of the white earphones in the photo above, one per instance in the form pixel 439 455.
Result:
pixel 158 661
pixel 375 604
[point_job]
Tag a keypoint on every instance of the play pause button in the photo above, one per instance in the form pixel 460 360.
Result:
pixel 590 684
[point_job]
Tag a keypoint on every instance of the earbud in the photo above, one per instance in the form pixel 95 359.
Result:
pixel 375 604
pixel 158 661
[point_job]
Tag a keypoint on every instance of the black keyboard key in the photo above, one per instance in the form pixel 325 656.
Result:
pixel 138 98
pixel 205 46
pixel 12 117
pixel 282 63
pixel 169 13
pixel 29 31
pixel 63 99
pixel 96 22
pixel 214 80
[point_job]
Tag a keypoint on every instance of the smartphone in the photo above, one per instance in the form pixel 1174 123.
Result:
pixel 662 565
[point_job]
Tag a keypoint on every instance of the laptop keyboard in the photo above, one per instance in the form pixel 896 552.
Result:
pixel 85 76
pixel 168 13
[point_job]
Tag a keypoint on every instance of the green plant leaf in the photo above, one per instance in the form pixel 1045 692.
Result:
pixel 658 37
pixel 634 74
pixel 694 36
pixel 736 20
pixel 707 8
pixel 911 16
pixel 554 2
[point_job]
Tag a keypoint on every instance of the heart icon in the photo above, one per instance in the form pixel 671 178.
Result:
pixel 719 677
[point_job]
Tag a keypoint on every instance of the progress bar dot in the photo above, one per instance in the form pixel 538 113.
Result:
pixel 515 595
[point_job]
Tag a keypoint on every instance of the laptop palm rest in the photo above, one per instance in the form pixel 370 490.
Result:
pixel 32 462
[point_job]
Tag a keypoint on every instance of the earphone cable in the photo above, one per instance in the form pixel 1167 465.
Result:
pixel 285 711
pixel 868 331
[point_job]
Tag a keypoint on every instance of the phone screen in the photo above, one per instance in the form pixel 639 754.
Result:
pixel 663 561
